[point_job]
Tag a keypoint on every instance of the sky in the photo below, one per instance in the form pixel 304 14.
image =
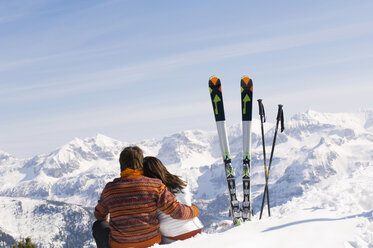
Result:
pixel 135 70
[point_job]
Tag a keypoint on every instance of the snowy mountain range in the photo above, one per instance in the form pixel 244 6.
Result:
pixel 50 197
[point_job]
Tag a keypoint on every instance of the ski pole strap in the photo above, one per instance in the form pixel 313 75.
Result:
pixel 280 116
pixel 261 111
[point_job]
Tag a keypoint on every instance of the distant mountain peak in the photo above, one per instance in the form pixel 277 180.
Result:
pixel 103 140
pixel 315 147
pixel 313 143
pixel 5 156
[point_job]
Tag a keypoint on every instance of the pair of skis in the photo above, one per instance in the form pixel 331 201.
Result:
pixel 246 106
pixel 279 118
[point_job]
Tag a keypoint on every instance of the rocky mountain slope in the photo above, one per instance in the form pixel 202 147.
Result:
pixel 63 185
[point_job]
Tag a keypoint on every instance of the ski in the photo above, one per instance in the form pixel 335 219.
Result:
pixel 246 107
pixel 218 107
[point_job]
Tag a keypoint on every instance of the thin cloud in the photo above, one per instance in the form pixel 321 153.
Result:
pixel 115 77
pixel 101 118
pixel 11 18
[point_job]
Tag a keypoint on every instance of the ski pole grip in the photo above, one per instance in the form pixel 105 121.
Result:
pixel 280 116
pixel 279 112
pixel 261 110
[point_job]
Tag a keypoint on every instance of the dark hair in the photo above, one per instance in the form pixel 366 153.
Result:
pixel 131 157
pixel 154 168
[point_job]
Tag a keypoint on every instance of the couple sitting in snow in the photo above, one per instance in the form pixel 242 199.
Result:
pixel 142 206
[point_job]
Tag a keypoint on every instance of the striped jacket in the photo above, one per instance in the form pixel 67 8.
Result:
pixel 132 202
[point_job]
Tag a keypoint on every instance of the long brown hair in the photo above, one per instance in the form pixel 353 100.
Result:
pixel 154 168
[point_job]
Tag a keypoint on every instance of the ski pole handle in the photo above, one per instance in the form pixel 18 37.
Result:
pixel 261 111
pixel 280 117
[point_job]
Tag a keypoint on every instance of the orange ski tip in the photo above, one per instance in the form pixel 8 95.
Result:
pixel 246 79
pixel 214 79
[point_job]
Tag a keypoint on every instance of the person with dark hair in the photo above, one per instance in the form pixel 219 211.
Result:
pixel 172 229
pixel 133 202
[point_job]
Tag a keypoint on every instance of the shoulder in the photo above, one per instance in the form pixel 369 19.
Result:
pixel 141 183
pixel 112 183
pixel 141 179
pixel 154 181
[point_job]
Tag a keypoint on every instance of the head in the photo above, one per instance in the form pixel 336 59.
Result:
pixel 131 157
pixel 154 168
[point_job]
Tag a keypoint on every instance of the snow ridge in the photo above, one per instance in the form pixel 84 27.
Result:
pixel 316 152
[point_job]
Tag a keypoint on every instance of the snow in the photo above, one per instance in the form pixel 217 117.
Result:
pixel 321 186
pixel 334 213
pixel 45 221
pixel 304 229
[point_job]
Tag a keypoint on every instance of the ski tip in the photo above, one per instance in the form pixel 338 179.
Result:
pixel 214 79
pixel 246 79
pixel 246 84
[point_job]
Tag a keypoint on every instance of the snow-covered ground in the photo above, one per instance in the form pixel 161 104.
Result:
pixel 320 185
pixel 335 213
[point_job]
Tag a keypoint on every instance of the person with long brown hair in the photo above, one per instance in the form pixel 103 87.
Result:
pixel 172 229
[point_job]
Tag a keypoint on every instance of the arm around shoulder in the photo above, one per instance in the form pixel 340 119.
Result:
pixel 168 204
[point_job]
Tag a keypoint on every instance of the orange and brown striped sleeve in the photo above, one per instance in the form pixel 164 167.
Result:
pixel 101 209
pixel 168 204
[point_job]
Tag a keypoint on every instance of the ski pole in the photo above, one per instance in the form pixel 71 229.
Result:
pixel 280 118
pixel 262 120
